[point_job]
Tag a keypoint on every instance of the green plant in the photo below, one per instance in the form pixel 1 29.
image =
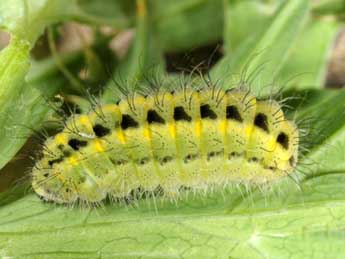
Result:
pixel 293 37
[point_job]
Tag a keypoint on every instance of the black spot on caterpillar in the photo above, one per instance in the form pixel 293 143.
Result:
pixel 261 121
pixel 206 112
pixel 153 117
pixel 100 131
pixel 128 122
pixel 232 113
pixel 76 144
pixel 180 114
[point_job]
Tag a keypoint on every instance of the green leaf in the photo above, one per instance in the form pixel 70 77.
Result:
pixel 240 16
pixel 327 7
pixel 290 221
pixel 14 65
pixel 270 48
pixel 119 14
pixel 25 106
pixel 328 132
pixel 307 64
pixel 27 19
pixel 187 24
pixel 19 102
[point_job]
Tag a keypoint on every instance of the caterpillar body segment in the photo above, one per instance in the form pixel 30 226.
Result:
pixel 187 139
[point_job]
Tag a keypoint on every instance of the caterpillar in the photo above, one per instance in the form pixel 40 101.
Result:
pixel 186 139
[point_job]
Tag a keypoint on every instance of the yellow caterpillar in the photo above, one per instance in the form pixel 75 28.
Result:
pixel 189 138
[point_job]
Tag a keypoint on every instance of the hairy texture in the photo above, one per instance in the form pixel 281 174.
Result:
pixel 190 139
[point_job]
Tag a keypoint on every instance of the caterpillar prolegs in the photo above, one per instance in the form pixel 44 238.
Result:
pixel 188 138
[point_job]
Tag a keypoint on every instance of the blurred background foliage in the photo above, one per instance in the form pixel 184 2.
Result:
pixel 59 52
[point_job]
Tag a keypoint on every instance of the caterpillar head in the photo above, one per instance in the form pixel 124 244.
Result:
pixel 48 178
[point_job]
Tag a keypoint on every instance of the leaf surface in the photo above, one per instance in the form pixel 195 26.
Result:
pixel 262 54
